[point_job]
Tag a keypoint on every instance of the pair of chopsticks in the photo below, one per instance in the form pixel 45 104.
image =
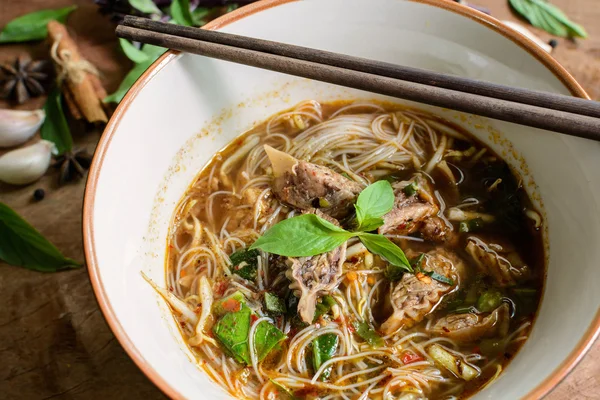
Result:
pixel 553 112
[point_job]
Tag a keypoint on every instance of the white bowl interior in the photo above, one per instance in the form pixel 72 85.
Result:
pixel 194 106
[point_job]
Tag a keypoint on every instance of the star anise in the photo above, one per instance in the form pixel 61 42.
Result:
pixel 73 165
pixel 24 78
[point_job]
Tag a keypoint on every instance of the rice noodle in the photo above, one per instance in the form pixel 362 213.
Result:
pixel 233 203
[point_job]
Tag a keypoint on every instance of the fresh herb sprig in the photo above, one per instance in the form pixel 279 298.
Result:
pixel 308 235
pixel 548 17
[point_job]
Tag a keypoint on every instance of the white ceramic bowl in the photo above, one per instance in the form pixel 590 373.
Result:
pixel 184 108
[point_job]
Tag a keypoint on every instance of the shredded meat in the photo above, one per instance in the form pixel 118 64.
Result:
pixel 305 185
pixel 413 298
pixel 416 212
pixel 498 259
pixel 470 327
pixel 315 276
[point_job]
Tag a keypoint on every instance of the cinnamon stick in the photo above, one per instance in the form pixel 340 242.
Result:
pixel 79 85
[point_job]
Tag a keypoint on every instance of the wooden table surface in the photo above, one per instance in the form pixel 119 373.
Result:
pixel 54 342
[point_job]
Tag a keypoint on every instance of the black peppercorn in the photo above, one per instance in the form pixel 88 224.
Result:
pixel 39 194
pixel 553 43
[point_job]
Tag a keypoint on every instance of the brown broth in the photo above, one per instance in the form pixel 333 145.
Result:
pixel 233 215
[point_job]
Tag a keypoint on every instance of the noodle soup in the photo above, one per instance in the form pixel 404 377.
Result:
pixel 355 250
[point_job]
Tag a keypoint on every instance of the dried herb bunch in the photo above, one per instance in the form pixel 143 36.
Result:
pixel 24 78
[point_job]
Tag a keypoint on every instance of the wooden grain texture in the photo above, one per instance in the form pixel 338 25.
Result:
pixel 54 342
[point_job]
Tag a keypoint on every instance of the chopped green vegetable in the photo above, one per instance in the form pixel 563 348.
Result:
pixel 324 306
pixel 283 391
pixel 411 189
pixel 364 331
pixel 266 338
pixel 228 304
pixel 274 304
pixel 245 263
pixel 489 301
pixel 464 309
pixel 232 332
pixel 233 329
pixel 417 262
pixel 471 225
pixel 473 293
pixel 324 347
pixel 440 278
pixel 452 363
pixel 323 202
pixel 525 300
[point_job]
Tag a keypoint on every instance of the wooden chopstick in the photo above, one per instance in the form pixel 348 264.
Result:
pixel 525 114
pixel 535 98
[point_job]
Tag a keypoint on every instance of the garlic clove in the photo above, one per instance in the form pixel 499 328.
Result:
pixel 17 127
pixel 27 164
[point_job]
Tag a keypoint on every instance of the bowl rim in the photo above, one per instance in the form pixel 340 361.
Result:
pixel 492 23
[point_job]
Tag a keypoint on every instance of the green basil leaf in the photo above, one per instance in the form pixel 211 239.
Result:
pixel 55 127
pixel 374 202
pixel 548 17
pixel 274 304
pixel 364 331
pixel 232 332
pixel 323 348
pixel 266 337
pixel 133 53
pixel 22 245
pixel 303 236
pixel 245 263
pixel 153 52
pixel 33 26
pixel 180 12
pixel 385 248
pixel 370 224
pixel 145 6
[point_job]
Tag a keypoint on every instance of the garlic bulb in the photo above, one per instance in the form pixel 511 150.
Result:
pixel 26 165
pixel 17 127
